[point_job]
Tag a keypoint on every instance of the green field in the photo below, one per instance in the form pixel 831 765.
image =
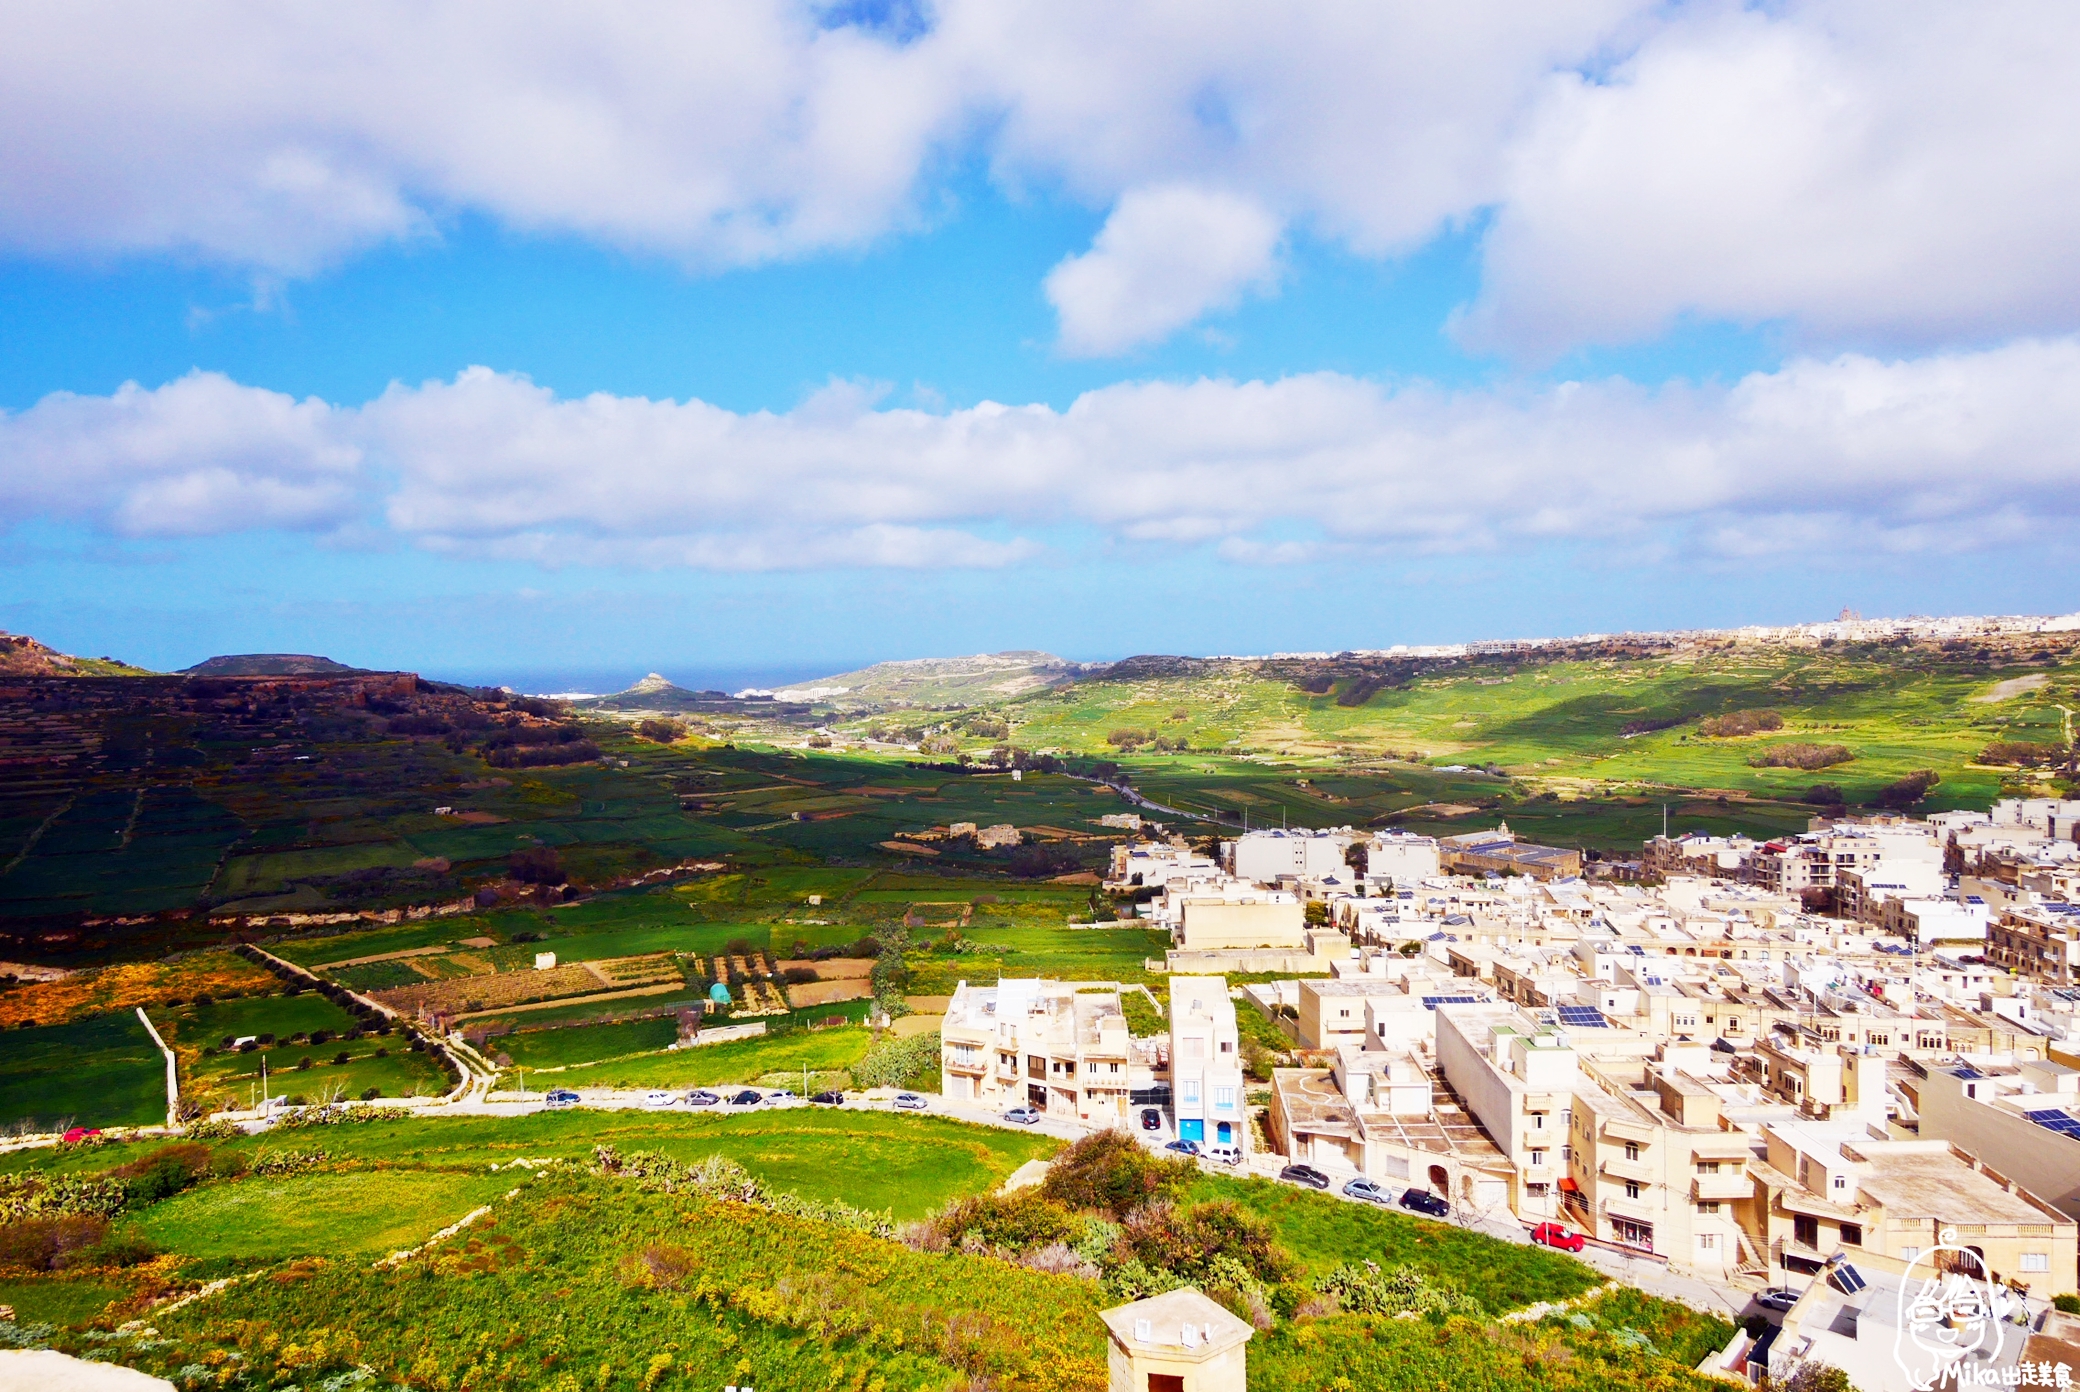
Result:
pixel 738 1061
pixel 100 1071
pixel 57 1301
pixel 372 1213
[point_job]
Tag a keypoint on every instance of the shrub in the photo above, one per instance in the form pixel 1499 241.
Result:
pixel 1110 1172
pixel 1367 1290
pixel 536 865
pixel 50 1244
pixel 341 1057
pixel 1162 1236
pixel 661 731
pixel 2023 753
pixel 1909 790
pixel 1803 756
pixel 2066 1304
pixel 1734 724
pixel 1016 1222
pixel 1824 795
pixel 910 1063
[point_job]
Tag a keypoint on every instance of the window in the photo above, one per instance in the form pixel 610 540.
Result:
pixel 1344 1013
pixel 1536 1191
pixel 1166 1382
pixel 1631 1188
pixel 1852 1234
pixel 1708 1242
pixel 1195 1048
pixel 1708 1206
pixel 1224 1098
pixel 1909 1253
pixel 1538 1121
pixel 1631 1150
pixel 1114 1067
pixel 1191 1090
pixel 1538 1157
pixel 2036 1261
pixel 1805 1231
pixel 1227 1046
pixel 1708 1167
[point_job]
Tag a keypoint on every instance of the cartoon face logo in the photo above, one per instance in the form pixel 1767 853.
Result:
pixel 1948 1308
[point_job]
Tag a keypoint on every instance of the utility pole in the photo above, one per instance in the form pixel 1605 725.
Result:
pixel 1664 821
pixel 263 1082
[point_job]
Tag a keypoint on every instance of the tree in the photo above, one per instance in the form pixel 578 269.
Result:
pixel 538 865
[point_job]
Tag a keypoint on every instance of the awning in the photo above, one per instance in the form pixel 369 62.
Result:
pixel 1568 1186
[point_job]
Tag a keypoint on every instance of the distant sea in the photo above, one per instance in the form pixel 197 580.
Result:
pixel 604 681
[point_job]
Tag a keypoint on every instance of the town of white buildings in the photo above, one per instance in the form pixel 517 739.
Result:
pixel 1752 1060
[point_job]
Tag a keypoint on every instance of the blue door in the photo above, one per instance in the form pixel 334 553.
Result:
pixel 1223 1132
pixel 1191 1129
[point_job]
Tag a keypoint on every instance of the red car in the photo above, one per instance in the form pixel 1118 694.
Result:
pixel 81 1133
pixel 1557 1235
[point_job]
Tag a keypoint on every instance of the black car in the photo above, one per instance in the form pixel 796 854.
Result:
pixel 830 1099
pixel 1423 1201
pixel 1305 1174
pixel 1151 1120
pixel 746 1098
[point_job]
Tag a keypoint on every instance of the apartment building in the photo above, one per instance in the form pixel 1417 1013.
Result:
pixel 1206 1093
pixel 2038 940
pixel 1402 857
pixel 2023 1121
pixel 1837 1190
pixel 1651 1166
pixel 1062 1047
pixel 1268 856
pixel 1517 1079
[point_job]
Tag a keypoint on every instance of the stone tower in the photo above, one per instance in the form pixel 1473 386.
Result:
pixel 1178 1342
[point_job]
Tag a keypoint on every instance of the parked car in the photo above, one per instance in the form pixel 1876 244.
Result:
pixel 561 1097
pixel 782 1095
pixel 1024 1116
pixel 1305 1174
pixel 1151 1119
pixel 81 1133
pixel 1423 1201
pixel 1229 1154
pixel 911 1101
pixel 1184 1147
pixel 701 1097
pixel 746 1098
pixel 1557 1236
pixel 1365 1189
pixel 1778 1298
pixel 658 1099
pixel 833 1098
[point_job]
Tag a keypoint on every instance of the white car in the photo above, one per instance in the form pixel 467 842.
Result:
pixel 911 1102
pixel 658 1099
pixel 782 1096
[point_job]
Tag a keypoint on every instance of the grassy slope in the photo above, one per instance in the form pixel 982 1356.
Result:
pixel 372 1212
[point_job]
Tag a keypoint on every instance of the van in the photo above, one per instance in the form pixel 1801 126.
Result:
pixel 1222 1152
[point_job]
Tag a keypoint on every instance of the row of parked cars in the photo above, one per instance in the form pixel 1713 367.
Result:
pixel 660 1098
pixel 1555 1235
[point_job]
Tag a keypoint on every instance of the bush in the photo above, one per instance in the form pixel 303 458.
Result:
pixel 1108 1171
pixel 2066 1304
pixel 1909 790
pixel 1187 1241
pixel 1803 756
pixel 2023 753
pixel 50 1244
pixel 1737 723
pixel 1824 795
pixel 1016 1222
pixel 536 865
pixel 661 731
pixel 911 1063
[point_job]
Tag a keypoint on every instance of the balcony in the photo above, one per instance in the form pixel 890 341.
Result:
pixel 1638 1171
pixel 975 1066
pixel 1710 1188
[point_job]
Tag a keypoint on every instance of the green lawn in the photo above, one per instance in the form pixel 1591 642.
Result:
pixel 100 1071
pixel 554 1048
pixel 56 1299
pixel 369 1212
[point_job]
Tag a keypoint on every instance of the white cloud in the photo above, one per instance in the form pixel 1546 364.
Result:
pixel 1894 172
pixel 1854 455
pixel 196 457
pixel 1166 256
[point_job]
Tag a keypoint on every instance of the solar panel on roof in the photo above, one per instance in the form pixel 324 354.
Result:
pixel 1966 1073
pixel 1432 1002
pixel 1582 1017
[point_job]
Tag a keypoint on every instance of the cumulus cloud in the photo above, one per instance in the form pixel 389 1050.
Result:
pixel 1895 172
pixel 1891 172
pixel 1165 256
pixel 1854 454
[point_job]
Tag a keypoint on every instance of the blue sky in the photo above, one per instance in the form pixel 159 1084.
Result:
pixel 1281 375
